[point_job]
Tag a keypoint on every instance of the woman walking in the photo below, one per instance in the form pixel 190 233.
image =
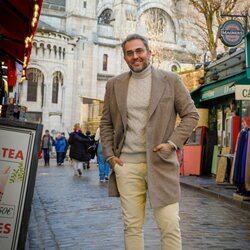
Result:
pixel 78 150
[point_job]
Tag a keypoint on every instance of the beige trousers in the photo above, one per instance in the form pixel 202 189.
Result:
pixel 132 186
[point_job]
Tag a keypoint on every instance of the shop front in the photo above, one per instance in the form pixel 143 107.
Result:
pixel 19 140
pixel 226 96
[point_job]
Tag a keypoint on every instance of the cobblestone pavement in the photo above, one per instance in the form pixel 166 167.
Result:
pixel 71 212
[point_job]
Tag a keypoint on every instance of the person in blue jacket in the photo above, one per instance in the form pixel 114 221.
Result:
pixel 60 146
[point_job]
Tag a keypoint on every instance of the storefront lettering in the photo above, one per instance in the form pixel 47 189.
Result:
pixel 12 153
pixel 246 93
pixel 5 228
pixel 208 94
pixel 228 89
pixel 7 211
pixel 242 92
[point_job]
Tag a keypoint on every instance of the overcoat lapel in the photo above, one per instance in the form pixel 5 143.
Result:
pixel 157 89
pixel 121 92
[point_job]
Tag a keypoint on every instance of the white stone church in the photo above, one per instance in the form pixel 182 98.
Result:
pixel 77 48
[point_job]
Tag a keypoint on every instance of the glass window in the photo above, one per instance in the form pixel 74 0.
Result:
pixel 105 17
pixel 105 62
pixel 32 87
pixel 245 114
pixel 55 88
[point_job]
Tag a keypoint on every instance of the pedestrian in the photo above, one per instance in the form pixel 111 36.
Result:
pixel 104 167
pixel 78 149
pixel 60 146
pixel 139 139
pixel 66 148
pixel 46 146
pixel 90 148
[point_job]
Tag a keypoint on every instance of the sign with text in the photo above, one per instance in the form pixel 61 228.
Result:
pixel 16 157
pixel 242 92
pixel 218 91
pixel 231 33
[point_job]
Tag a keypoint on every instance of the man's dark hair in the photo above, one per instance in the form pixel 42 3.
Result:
pixel 134 37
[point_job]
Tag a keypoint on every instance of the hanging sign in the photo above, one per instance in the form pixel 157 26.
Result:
pixel 231 33
pixel 242 92
pixel 17 177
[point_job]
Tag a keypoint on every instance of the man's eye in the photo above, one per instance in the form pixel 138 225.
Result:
pixel 139 51
pixel 130 53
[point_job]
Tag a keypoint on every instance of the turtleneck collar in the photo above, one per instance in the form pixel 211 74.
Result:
pixel 143 74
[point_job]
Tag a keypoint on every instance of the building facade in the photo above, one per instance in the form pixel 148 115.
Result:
pixel 77 48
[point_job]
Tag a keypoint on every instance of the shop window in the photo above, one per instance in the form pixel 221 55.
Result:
pixel 32 87
pixel 105 62
pixel 245 114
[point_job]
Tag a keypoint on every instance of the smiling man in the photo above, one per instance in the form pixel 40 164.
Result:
pixel 139 140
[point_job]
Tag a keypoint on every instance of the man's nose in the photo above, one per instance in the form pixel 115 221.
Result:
pixel 135 55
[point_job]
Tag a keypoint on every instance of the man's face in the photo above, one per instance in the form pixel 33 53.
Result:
pixel 136 55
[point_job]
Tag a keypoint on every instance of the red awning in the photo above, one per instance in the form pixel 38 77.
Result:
pixel 18 23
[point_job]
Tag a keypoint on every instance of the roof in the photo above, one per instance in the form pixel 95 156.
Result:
pixel 56 2
pixel 44 26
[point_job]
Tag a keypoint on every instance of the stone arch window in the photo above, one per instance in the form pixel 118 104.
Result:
pixel 105 17
pixel 63 53
pixel 35 46
pixel 55 49
pixel 49 48
pixel 155 22
pixel 42 47
pixel 60 52
pixel 105 62
pixel 158 25
pixel 57 81
pixel 35 77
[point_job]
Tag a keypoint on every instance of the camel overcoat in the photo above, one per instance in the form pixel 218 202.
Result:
pixel 169 97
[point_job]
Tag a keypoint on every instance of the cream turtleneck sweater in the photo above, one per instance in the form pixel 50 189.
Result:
pixel 138 99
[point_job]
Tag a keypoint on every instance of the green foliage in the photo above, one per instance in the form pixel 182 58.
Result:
pixel 17 175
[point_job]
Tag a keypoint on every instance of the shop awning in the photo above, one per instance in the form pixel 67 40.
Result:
pixel 217 89
pixel 18 23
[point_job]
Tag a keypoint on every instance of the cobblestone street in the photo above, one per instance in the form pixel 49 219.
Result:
pixel 71 212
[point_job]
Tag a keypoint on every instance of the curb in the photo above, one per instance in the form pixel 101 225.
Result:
pixel 229 199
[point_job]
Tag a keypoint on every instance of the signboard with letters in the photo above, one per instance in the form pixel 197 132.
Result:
pixel 218 91
pixel 231 33
pixel 19 147
pixel 242 92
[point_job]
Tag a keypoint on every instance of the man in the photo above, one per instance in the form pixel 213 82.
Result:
pixel 139 140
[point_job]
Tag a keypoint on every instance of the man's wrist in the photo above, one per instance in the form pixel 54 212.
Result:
pixel 109 158
pixel 173 146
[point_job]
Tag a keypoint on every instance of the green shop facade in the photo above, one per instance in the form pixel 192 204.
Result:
pixel 226 95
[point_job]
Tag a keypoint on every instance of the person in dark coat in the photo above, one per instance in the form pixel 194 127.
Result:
pixel 91 148
pixel 78 149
